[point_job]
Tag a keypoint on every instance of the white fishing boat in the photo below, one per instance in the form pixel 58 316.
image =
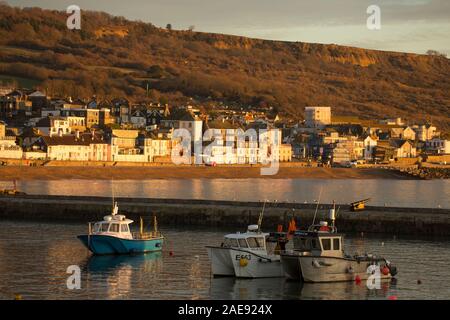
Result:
pixel 246 255
pixel 318 256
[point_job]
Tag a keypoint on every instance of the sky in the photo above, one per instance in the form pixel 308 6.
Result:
pixel 406 25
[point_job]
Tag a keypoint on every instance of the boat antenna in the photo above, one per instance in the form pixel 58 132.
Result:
pixel 113 202
pixel 261 216
pixel 317 206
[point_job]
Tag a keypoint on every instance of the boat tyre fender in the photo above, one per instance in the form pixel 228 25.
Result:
pixel 316 264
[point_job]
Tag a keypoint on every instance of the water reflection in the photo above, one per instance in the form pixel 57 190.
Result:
pixel 122 271
pixel 407 193
pixel 279 288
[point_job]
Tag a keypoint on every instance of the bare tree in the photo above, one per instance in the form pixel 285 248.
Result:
pixel 436 53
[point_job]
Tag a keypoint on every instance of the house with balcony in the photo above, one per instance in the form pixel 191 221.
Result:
pixel 438 146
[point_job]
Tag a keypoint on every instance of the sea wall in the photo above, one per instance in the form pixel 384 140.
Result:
pixel 176 212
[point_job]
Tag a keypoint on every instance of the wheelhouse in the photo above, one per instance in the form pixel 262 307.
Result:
pixel 114 225
pixel 252 240
pixel 319 240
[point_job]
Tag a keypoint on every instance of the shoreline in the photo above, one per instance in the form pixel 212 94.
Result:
pixel 8 173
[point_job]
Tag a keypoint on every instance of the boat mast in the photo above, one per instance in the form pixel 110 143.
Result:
pixel 261 216
pixel 317 206
pixel 114 210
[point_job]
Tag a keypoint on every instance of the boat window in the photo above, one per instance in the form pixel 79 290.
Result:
pixel 326 244
pixel 252 243
pixel 231 243
pixel 97 227
pixel 114 227
pixel 261 242
pixel 124 228
pixel 105 227
pixel 242 243
pixel 336 244
pixel 256 242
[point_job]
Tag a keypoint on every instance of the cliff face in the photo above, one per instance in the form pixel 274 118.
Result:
pixel 111 56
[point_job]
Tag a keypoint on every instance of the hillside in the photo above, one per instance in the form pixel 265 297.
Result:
pixel 112 57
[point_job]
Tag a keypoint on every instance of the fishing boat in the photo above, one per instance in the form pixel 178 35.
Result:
pixel 246 255
pixel 252 254
pixel 113 236
pixel 318 256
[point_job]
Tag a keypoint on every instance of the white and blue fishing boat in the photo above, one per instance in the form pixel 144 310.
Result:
pixel 113 236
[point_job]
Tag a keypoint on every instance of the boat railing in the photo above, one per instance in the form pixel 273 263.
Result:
pixel 146 235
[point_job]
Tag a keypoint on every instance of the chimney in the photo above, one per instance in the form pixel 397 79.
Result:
pixel 77 134
pixel 60 133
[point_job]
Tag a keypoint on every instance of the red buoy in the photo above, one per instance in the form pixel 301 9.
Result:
pixel 392 298
pixel 358 279
pixel 385 270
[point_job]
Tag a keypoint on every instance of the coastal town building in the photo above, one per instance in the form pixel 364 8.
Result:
pixel 52 126
pixel 425 132
pixel 79 147
pixel 369 143
pixel 317 117
pixel 285 153
pixel 438 146
pixel 8 146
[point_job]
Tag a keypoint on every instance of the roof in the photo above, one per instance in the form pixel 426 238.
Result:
pixel 398 143
pixel 37 94
pixel 245 235
pixel 84 140
pixel 122 133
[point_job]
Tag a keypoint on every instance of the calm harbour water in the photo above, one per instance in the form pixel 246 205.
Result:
pixel 403 193
pixel 34 258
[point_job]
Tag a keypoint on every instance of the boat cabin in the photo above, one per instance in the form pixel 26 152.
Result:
pixel 116 225
pixel 319 240
pixel 253 239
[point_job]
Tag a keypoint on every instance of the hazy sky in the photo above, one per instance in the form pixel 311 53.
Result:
pixel 406 25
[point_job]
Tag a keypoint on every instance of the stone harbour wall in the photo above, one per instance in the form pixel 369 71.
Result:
pixel 179 212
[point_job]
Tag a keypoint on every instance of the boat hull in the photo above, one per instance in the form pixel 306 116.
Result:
pixel 104 244
pixel 221 264
pixel 257 266
pixel 334 269
pixel 291 266
pixel 228 262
